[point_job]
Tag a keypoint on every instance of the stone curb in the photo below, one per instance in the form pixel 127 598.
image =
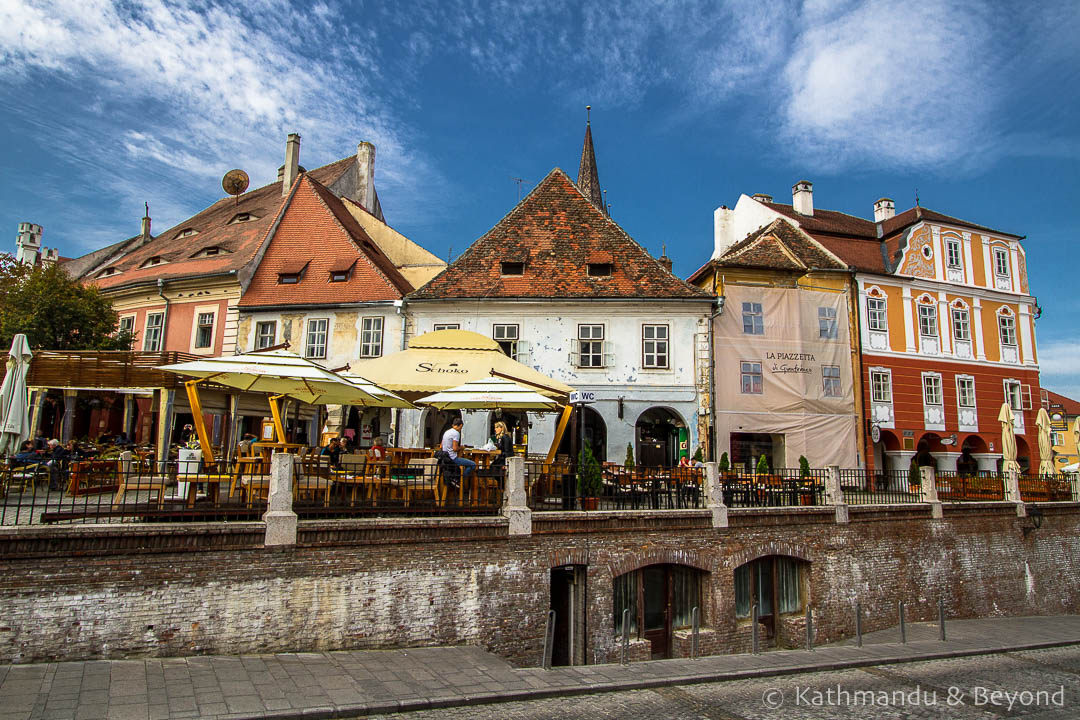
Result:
pixel 381 707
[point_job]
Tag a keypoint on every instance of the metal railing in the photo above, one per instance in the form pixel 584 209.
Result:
pixel 100 491
pixel 781 488
pixel 878 487
pixel 966 487
pixel 556 486
pixel 1045 488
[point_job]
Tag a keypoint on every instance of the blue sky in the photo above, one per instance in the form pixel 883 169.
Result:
pixel 106 106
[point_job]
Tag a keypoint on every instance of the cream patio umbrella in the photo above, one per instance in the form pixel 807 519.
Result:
pixel 490 393
pixel 1042 421
pixel 281 374
pixel 1008 440
pixel 14 423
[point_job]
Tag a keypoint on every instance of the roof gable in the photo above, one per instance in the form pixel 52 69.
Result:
pixel 556 232
pixel 180 254
pixel 319 241
pixel 782 246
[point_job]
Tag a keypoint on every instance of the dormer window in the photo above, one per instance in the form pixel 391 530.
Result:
pixel 292 273
pixel 512 268
pixel 341 272
pixel 599 269
pixel 241 218
pixel 156 260
pixel 108 271
pixel 210 251
pixel 187 232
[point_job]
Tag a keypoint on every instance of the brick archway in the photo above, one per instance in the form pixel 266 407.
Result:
pixel 689 558
pixel 568 556
pixel 774 547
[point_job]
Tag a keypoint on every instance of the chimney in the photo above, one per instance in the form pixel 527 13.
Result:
pixel 723 230
pixel 292 163
pixel 146 222
pixel 883 210
pixel 762 197
pixel 664 259
pixel 28 243
pixel 802 197
pixel 365 176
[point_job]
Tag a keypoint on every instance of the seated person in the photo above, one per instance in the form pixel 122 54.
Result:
pixel 333 452
pixel 245 443
pixel 451 445
pixel 503 443
pixel 684 461
pixel 26 455
pixel 376 451
pixel 59 457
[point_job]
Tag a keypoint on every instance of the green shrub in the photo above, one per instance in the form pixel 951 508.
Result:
pixel 590 478
pixel 698 455
pixel 629 461
pixel 914 476
pixel 724 465
pixel 762 465
pixel 804 466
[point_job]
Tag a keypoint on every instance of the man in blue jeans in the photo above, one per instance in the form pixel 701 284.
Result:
pixel 451 444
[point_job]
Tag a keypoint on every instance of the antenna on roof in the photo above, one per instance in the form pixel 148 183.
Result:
pixel 917 197
pixel 449 254
pixel 520 182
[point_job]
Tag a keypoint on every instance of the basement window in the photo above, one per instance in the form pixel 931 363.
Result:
pixel 599 269
pixel 512 268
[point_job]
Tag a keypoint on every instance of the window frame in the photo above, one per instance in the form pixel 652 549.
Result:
pixel 931 316
pixel 1010 384
pixel 831 381
pixel 201 326
pixel 957 323
pixel 445 326
pixel 260 325
pixel 877 319
pixel 596 355
pixel 1007 329
pixel 950 245
pixel 155 331
pixel 651 347
pixel 749 370
pixel 370 345
pixel 932 382
pixel 753 318
pixel 310 332
pixel 961 382
pixel 508 344
pixel 1001 262
pixel 828 327
pixel 886 386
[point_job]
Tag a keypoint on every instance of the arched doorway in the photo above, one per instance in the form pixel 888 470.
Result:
pixel 776 584
pixel 928 445
pixel 595 434
pixel 568 595
pixel 1023 454
pixel 967 464
pixel 660 599
pixel 660 432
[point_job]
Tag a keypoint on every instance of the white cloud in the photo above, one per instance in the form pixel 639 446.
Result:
pixel 1059 366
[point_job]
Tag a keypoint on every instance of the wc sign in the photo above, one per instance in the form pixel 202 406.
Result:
pixel 582 397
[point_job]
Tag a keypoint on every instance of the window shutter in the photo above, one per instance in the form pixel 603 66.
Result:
pixel 1025 392
pixel 575 353
pixel 609 354
pixel 523 356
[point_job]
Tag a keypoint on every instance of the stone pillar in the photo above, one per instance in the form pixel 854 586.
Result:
pixel 515 504
pixel 1074 483
pixel 125 463
pixel 929 490
pixel 166 400
pixel 714 496
pixel 987 462
pixel 834 494
pixel 947 461
pixel 279 518
pixel 67 424
pixel 899 461
pixel 1012 493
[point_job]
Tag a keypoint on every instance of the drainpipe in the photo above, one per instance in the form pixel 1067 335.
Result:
pixel 401 308
pixel 165 315
pixel 713 437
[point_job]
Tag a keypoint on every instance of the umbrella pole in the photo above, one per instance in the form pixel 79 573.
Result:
pixel 275 412
pixel 192 387
pixel 564 420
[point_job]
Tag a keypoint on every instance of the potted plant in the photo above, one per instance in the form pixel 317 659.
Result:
pixel 806 483
pixel 724 466
pixel 914 477
pixel 629 461
pixel 590 479
pixel 762 465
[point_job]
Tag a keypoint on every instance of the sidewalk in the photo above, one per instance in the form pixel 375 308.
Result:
pixel 349 684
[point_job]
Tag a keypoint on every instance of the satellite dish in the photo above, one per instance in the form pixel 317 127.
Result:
pixel 235 182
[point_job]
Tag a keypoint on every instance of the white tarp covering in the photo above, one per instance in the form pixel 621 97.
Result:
pixel 792 355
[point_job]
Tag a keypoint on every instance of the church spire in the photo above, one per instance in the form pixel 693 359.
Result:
pixel 588 180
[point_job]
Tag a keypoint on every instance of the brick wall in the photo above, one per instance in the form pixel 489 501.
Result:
pixel 386 583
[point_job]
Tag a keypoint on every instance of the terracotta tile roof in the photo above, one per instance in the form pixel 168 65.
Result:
pixel 558 229
pixel 909 217
pixel 859 253
pixel 318 235
pixel 1071 407
pixel 827 221
pixel 781 246
pixel 180 255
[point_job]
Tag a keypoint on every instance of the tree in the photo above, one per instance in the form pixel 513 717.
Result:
pixel 804 467
pixel 698 455
pixel 762 465
pixel 724 465
pixel 55 311
pixel 629 461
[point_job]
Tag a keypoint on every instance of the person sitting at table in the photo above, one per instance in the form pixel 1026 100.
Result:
pixel 333 452
pixel 59 459
pixel 503 443
pixel 245 443
pixel 684 461
pixel 26 455
pixel 451 445
pixel 377 451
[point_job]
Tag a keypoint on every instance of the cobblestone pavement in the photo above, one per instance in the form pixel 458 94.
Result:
pixel 469 682
pixel 1039 684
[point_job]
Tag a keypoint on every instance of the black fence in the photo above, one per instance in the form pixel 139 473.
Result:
pixel 969 487
pixel 557 486
pixel 879 487
pixel 108 491
pixel 781 488
pixel 1045 488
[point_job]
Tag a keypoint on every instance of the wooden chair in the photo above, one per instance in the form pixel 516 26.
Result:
pixel 430 480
